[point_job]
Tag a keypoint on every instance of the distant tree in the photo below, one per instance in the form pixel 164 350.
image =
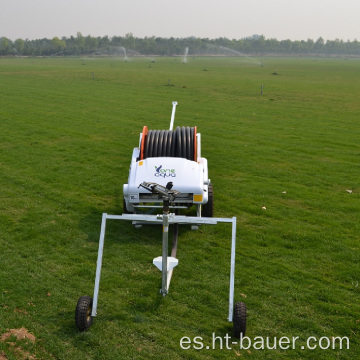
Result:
pixel 286 46
pixel 58 45
pixel 129 41
pixel 255 44
pixel 104 44
pixel 19 46
pixel 319 45
pixel 297 47
pixel 272 46
pixel 310 46
pixel 259 43
pixel 4 46
pixel 91 44
pixel 353 47
pixel 80 42
pixel 149 46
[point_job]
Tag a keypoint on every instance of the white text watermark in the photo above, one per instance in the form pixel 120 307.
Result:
pixel 265 343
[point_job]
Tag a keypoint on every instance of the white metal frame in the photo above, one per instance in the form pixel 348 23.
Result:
pixel 166 219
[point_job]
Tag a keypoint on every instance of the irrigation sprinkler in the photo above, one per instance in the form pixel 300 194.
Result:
pixel 185 55
pixel 167 172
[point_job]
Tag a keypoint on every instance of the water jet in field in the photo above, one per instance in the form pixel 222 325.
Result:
pixel 185 55
pixel 226 51
pixel 123 50
pixel 240 54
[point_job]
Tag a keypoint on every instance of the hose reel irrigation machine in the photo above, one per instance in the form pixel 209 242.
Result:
pixel 168 172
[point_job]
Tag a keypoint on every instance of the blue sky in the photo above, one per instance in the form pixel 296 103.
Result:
pixel 234 19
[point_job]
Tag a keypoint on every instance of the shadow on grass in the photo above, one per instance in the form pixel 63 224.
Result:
pixel 121 230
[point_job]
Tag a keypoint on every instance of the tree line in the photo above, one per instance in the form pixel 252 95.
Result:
pixel 129 45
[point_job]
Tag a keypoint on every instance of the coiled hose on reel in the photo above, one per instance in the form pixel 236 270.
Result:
pixel 180 142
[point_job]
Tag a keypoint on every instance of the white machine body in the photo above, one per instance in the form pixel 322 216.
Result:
pixel 190 178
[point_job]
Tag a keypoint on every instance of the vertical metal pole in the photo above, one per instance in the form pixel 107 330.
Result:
pixel 198 145
pixel 173 252
pixel 164 288
pixel 98 265
pixel 173 115
pixel 232 269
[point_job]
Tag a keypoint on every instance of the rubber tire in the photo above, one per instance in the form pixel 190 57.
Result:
pixel 83 318
pixel 239 320
pixel 208 208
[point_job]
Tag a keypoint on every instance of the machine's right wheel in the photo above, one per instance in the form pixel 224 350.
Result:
pixel 239 319
pixel 208 208
pixel 83 318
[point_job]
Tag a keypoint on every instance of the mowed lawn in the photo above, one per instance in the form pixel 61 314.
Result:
pixel 285 163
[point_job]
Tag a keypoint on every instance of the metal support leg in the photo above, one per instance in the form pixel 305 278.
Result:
pixel 98 264
pixel 232 269
pixel 165 245
pixel 173 252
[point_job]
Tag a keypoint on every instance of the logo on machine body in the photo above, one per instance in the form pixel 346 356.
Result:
pixel 161 172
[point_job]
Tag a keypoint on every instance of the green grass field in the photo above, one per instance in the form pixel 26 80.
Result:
pixel 67 130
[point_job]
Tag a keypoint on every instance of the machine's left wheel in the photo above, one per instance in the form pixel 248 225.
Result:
pixel 83 318
pixel 239 319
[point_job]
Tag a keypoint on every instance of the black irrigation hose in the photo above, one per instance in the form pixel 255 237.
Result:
pixel 163 139
pixel 178 142
pixel 168 143
pixel 183 143
pixel 156 141
pixel 173 144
